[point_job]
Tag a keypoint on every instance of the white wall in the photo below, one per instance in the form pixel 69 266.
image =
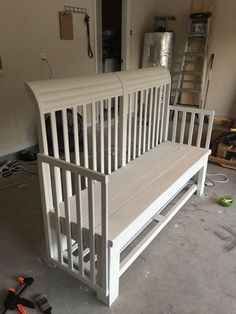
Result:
pixel 222 91
pixel 28 28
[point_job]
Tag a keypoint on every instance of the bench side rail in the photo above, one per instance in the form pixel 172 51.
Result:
pixel 67 252
pixel 190 126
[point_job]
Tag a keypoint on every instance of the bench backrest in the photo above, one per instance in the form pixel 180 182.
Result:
pixel 124 114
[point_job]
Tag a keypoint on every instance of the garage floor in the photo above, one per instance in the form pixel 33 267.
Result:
pixel 190 268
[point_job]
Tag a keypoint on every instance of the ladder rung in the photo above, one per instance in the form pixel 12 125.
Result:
pixel 189 90
pixel 197 73
pixel 194 54
pixel 188 81
pixel 187 105
pixel 195 35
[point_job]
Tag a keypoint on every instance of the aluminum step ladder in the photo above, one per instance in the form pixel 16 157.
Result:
pixel 188 82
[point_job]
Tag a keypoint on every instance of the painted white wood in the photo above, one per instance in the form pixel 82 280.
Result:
pixel 135 124
pixel 150 119
pixel 154 117
pixel 202 114
pixel 167 112
pixel 116 133
pixel 85 136
pixel 201 180
pixel 162 117
pixel 76 136
pixel 145 120
pixel 183 122
pixel 209 129
pixel 109 135
pixel 94 136
pixel 102 136
pixel 56 209
pixel 65 183
pixel 200 128
pixel 104 206
pixel 190 135
pixel 131 257
pixel 138 191
pixel 158 116
pixel 91 229
pixel 140 121
pixel 79 224
pixel 130 102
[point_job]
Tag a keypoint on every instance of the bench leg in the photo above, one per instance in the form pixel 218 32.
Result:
pixel 113 277
pixel 201 180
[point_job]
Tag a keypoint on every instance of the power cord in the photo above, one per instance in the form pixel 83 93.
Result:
pixel 210 182
pixel 44 59
pixel 13 166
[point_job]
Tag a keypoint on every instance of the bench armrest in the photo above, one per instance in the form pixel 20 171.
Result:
pixel 59 181
pixel 190 126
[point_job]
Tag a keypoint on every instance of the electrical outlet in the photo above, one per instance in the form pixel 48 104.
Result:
pixel 42 56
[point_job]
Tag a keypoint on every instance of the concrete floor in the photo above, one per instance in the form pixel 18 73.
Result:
pixel 189 268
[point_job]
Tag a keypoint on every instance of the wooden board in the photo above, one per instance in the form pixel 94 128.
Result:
pixel 148 179
pixel 66 25
pixel 223 162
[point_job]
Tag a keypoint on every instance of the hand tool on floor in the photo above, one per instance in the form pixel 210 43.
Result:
pixel 14 300
pixel 43 304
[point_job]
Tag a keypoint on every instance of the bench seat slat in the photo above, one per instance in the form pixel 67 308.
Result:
pixel 136 191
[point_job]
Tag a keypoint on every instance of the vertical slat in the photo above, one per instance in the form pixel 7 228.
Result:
pixel 163 93
pixel 104 200
pixel 145 120
pixel 65 183
pixel 150 118
pixel 91 229
pixel 54 183
pixel 109 135
pixel 76 136
pixel 174 129
pixel 56 153
pixel 65 135
pixel 209 129
pixel 158 115
pixel 47 203
pixel 190 135
pixel 167 112
pixel 66 146
pixel 79 223
pixel 199 134
pixel 94 136
pixel 116 132
pixel 130 98
pixel 43 139
pixel 154 116
pixel 140 122
pixel 85 136
pixel 54 135
pixel 135 125
pixel 183 122
pixel 102 135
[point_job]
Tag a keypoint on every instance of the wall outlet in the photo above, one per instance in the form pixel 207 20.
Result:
pixel 42 56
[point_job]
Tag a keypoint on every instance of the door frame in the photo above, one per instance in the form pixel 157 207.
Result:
pixel 125 34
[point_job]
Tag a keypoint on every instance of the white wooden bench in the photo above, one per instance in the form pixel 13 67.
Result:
pixel 135 172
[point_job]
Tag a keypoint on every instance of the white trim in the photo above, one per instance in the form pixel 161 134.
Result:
pixel 125 35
